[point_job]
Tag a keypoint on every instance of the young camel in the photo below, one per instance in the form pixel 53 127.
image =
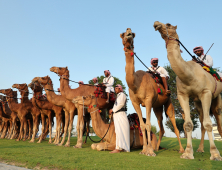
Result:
pixel 28 107
pixel 55 100
pixel 60 101
pixel 143 90
pixel 100 128
pixel 69 94
pixel 192 81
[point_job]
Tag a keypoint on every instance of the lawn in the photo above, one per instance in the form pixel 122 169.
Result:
pixel 49 156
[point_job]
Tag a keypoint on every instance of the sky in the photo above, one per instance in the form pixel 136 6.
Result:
pixel 85 36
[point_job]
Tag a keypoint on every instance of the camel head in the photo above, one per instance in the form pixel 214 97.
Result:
pixel 9 92
pixel 35 86
pixel 166 29
pixel 127 39
pixel 42 80
pixel 61 71
pixel 3 98
pixel 88 101
pixel 21 87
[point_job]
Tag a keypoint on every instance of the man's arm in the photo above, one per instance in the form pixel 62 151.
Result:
pixel 163 71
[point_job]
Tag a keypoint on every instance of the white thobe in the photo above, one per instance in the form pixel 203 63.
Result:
pixel 95 84
pixel 162 71
pixel 121 123
pixel 209 62
pixel 109 81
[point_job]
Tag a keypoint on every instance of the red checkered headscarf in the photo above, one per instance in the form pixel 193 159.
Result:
pixel 199 48
pixel 107 71
pixel 120 87
pixel 95 78
pixel 153 59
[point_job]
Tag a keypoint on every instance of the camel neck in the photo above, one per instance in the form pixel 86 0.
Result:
pixel 53 98
pixel 130 71
pixel 181 68
pixel 13 105
pixel 99 127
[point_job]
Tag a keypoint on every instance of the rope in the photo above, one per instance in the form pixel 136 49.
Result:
pixel 104 135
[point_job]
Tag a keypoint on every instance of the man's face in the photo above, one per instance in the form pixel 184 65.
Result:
pixel 106 74
pixel 198 53
pixel 117 90
pixel 155 63
pixel 94 81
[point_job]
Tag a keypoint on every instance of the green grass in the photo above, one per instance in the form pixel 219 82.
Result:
pixel 55 157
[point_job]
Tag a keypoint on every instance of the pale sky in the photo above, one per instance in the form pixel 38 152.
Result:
pixel 85 36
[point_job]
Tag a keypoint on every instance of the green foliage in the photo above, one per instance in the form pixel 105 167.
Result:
pixel 116 81
pixel 153 129
pixel 48 156
pixel 175 101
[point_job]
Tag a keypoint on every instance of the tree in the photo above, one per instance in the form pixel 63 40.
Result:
pixel 153 129
pixel 176 104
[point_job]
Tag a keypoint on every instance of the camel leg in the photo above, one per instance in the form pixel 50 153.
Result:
pixel 29 125
pixel 25 129
pixel 158 112
pixel 87 129
pixel 62 128
pixel 4 130
pixel 169 109
pixel 105 146
pixel 184 102
pixel 58 127
pixel 50 127
pixel 71 118
pixel 14 128
pixel 35 124
pixel 43 127
pixel 66 127
pixel 11 130
pixel 21 130
pixel 205 99
pixel 200 111
pixel 142 126
pixel 3 127
pixel 79 127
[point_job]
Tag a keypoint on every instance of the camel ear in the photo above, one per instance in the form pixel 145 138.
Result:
pixel 134 35
pixel 67 67
pixel 122 35
pixel 175 27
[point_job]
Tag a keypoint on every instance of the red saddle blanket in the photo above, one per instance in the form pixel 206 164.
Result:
pixel 100 90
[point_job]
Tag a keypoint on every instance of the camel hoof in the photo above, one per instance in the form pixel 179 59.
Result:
pixel 181 151
pixel 151 154
pixel 187 156
pixel 66 145
pixel 77 146
pixel 24 139
pixel 17 140
pixel 59 144
pixel 216 158
pixel 50 142
pixel 31 141
pixel 39 142
pixel 200 150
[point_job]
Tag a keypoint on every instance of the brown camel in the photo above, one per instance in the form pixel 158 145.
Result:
pixel 5 121
pixel 69 94
pixel 27 107
pixel 60 101
pixel 100 128
pixel 55 101
pixel 193 81
pixel 12 98
pixel 143 90
pixel 46 108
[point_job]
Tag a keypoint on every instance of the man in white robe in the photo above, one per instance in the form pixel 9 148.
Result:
pixel 95 81
pixel 161 71
pixel 108 82
pixel 121 122
pixel 208 60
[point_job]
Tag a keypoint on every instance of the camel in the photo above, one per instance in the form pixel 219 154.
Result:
pixel 100 128
pixel 46 108
pixel 192 81
pixel 69 94
pixel 5 121
pixel 27 107
pixel 143 90
pixel 13 105
pixel 59 100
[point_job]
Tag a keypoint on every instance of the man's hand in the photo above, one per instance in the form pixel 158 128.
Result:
pixel 110 111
